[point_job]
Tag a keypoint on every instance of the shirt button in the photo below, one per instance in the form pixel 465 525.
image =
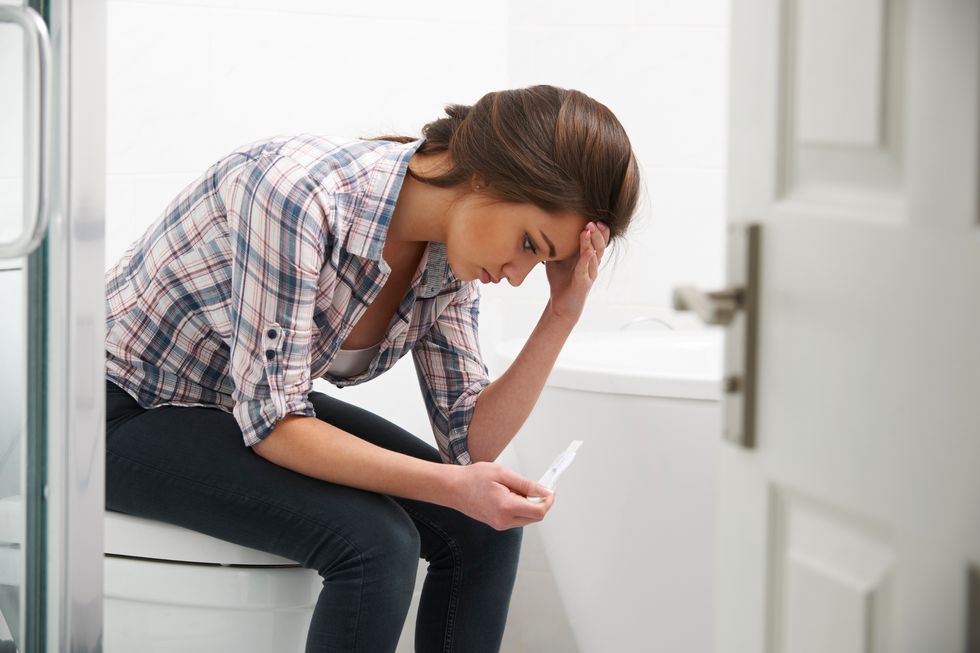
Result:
pixel 270 354
pixel 271 333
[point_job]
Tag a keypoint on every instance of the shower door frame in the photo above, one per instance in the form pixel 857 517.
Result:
pixel 64 474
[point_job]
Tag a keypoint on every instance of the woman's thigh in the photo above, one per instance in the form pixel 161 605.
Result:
pixel 189 466
pixel 441 528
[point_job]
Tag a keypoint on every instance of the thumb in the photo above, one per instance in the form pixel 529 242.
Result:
pixel 526 487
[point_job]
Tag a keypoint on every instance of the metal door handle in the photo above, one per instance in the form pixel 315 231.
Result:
pixel 37 52
pixel 714 307
pixel 737 308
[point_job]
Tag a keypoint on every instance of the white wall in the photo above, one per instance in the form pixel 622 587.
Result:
pixel 188 81
pixel 660 66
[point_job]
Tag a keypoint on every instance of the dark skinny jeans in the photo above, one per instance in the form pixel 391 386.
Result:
pixel 188 465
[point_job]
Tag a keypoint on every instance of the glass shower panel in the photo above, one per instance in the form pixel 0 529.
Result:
pixel 52 311
pixel 12 439
pixel 24 66
pixel 13 317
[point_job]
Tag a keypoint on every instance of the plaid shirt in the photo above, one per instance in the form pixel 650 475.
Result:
pixel 246 286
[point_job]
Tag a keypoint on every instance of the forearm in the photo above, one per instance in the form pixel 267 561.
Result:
pixel 503 406
pixel 316 448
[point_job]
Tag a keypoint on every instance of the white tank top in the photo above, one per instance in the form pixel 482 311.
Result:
pixel 351 362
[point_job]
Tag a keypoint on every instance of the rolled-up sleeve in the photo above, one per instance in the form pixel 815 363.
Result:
pixel 278 241
pixel 452 373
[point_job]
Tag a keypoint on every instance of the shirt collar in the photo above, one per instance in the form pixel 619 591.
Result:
pixel 375 208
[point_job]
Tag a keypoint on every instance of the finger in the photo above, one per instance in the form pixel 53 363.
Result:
pixel 593 266
pixel 599 244
pixel 521 485
pixel 523 521
pixel 582 269
pixel 599 239
pixel 531 511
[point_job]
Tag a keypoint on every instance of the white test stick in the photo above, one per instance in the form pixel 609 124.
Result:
pixel 561 463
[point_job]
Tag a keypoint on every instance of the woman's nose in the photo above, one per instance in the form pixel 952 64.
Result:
pixel 517 272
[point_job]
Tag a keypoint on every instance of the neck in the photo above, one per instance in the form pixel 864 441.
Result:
pixel 422 211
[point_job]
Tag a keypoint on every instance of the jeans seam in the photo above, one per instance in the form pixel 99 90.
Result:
pixel 454 593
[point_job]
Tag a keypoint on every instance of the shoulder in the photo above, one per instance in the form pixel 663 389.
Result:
pixel 334 163
pixel 346 165
pixel 352 183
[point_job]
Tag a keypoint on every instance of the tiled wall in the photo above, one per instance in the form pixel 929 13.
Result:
pixel 188 81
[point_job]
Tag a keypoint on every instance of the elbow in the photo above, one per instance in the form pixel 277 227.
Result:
pixel 477 454
pixel 277 439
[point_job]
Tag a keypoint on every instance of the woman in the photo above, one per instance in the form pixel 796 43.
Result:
pixel 295 258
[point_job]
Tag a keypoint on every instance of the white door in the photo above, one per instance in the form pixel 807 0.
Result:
pixel 852 524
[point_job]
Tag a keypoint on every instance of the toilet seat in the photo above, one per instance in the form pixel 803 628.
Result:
pixel 130 535
pixel 138 537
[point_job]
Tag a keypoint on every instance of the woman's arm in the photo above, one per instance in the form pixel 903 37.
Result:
pixel 310 446
pixel 504 405
pixel 489 493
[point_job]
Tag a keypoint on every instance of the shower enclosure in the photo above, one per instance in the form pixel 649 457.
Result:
pixel 52 404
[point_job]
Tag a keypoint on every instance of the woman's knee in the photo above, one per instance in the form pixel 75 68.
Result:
pixel 385 543
pixel 506 544
pixel 487 546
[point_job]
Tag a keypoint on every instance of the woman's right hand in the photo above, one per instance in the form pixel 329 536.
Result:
pixel 497 496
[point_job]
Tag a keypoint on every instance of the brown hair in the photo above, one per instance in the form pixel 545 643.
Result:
pixel 555 148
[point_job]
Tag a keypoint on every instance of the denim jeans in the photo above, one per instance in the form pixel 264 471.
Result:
pixel 189 466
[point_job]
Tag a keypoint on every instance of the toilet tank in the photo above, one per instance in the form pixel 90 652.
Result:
pixel 630 537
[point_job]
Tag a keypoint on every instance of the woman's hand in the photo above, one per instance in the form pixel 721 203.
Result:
pixel 497 496
pixel 571 279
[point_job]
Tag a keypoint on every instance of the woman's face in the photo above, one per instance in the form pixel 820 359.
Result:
pixel 506 239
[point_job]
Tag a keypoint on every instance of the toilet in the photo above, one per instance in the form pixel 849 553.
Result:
pixel 169 589
pixel 630 539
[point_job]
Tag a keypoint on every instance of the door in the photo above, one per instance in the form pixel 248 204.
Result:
pixel 52 421
pixel 850 482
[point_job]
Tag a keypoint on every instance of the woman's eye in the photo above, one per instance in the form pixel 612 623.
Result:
pixel 529 245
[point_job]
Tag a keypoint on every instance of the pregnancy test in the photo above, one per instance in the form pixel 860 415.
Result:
pixel 561 463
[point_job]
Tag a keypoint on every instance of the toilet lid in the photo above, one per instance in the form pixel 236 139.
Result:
pixel 147 538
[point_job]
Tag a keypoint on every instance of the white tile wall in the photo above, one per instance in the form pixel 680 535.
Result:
pixel 666 84
pixel 189 80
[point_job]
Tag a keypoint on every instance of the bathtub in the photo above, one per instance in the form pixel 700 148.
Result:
pixel 630 538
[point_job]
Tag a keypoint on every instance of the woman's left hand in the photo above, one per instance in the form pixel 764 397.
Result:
pixel 572 279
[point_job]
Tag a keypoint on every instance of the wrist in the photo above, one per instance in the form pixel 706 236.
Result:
pixel 559 319
pixel 453 481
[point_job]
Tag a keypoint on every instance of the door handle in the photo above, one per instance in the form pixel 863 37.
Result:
pixel 713 307
pixel 37 52
pixel 737 309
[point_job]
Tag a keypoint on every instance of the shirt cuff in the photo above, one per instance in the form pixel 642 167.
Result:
pixel 258 417
pixel 456 449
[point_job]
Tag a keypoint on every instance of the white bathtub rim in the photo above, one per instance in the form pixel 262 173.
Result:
pixel 574 374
